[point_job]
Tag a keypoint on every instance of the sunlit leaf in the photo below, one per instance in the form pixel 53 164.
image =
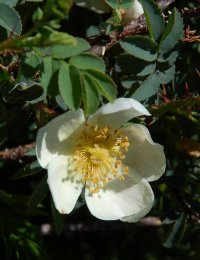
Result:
pixel 11 3
pixel 173 32
pixel 141 47
pixel 90 95
pixel 129 64
pixel 104 83
pixel 164 77
pixel 155 21
pixel 87 61
pixel 10 19
pixel 59 51
pixel 116 4
pixel 70 85
pixel 147 89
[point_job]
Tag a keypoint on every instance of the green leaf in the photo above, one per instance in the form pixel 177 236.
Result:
pixel 154 18
pixel 38 194
pixel 46 72
pixel 90 95
pixel 10 19
pixel 57 9
pixel 128 81
pixel 169 57
pixel 177 232
pixel 48 37
pixel 87 61
pixel 117 4
pixel 61 103
pixel 173 32
pixel 166 76
pixel 31 152
pixel 49 79
pixel 147 89
pixel 57 218
pixel 104 83
pixel 28 170
pixel 141 47
pixel 11 3
pixel 32 59
pixel 29 64
pixel 70 85
pixel 64 51
pixel 129 64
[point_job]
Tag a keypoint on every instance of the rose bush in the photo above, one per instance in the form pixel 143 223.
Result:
pixel 99 156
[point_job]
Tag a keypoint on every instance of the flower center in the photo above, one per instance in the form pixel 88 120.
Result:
pixel 98 156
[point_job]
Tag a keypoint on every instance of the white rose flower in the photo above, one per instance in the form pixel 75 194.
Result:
pixel 109 163
pixel 131 14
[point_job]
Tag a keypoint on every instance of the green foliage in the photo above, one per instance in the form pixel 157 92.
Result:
pixel 155 60
pixel 147 89
pixel 87 61
pixel 173 32
pixel 155 21
pixel 117 4
pixel 10 19
pixel 140 47
pixel 48 66
pixel 11 3
pixel 90 95
pixel 70 85
pixel 78 80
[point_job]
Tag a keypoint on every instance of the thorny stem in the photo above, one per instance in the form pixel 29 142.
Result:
pixel 137 27
pixel 16 153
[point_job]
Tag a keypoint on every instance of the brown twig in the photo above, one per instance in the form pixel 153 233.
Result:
pixel 190 35
pixel 164 4
pixel 140 27
pixel 137 27
pixel 192 12
pixel 16 153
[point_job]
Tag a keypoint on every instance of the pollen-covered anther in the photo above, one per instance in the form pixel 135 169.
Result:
pixel 98 156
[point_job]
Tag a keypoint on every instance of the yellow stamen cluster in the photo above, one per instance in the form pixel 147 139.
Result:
pixel 98 156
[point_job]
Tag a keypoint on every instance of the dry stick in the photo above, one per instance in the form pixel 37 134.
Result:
pixel 140 27
pixel 137 27
pixel 16 153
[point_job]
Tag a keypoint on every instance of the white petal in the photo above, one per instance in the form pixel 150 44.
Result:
pixel 120 199
pixel 57 137
pixel 117 113
pixel 65 186
pixel 144 156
